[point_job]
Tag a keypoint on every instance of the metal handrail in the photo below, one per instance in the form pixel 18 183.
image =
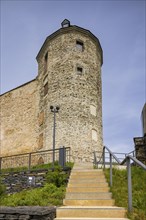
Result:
pixel 29 156
pixel 126 161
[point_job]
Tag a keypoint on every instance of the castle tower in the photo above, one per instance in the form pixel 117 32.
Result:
pixel 69 76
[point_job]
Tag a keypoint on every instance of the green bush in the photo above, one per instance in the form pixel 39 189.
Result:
pixel 57 177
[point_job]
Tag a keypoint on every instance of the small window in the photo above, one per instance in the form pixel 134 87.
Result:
pixel 45 88
pixel 80 45
pixel 46 57
pixel 46 61
pixel 79 70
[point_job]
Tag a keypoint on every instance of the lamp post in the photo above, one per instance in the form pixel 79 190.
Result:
pixel 54 109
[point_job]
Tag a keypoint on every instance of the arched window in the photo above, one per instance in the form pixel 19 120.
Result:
pixel 40 160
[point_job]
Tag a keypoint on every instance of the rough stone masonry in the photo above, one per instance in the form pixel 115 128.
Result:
pixel 69 76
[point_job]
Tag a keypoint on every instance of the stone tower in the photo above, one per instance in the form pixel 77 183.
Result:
pixel 69 76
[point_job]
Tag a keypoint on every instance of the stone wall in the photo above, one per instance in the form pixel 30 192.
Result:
pixel 16 182
pixel 140 148
pixel 77 93
pixel 19 120
pixel 69 75
pixel 27 213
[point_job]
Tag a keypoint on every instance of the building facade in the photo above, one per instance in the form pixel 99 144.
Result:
pixel 69 76
pixel 140 142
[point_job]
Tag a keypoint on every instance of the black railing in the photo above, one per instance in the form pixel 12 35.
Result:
pixel 28 160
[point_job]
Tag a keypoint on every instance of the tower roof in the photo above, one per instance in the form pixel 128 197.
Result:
pixel 66 27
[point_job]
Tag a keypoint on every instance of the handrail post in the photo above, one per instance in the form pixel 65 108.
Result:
pixel 0 164
pixel 95 160
pixel 103 157
pixel 129 184
pixel 111 174
pixel 29 162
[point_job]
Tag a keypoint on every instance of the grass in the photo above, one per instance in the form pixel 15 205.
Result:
pixel 52 193
pixel 119 191
pixel 48 195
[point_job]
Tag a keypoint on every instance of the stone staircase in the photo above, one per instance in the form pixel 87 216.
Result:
pixel 88 197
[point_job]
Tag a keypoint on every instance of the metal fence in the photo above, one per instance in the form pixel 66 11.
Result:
pixel 29 160
pixel 127 159
pixel 102 157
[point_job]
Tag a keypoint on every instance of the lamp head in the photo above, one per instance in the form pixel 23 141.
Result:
pixel 57 108
pixel 51 107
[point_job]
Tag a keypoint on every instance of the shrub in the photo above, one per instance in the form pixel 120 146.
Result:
pixel 2 188
pixel 57 177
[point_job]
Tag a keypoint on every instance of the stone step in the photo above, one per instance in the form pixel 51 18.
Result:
pixel 88 195
pixel 87 170
pixel 94 180
pixel 87 189
pixel 88 202
pixel 91 219
pixel 86 181
pixel 98 184
pixel 91 212
pixel 87 174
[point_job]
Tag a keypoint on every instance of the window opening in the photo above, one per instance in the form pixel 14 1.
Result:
pixel 46 57
pixel 80 45
pixel 45 88
pixel 46 61
pixel 79 70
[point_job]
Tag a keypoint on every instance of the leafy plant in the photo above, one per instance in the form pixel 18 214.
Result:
pixel 57 177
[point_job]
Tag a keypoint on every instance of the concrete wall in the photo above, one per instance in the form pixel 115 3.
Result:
pixel 19 120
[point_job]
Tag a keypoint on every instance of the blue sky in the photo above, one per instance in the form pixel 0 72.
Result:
pixel 120 27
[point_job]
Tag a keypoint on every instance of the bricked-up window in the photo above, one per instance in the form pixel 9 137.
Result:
pixel 46 88
pixel 94 135
pixel 40 141
pixel 80 45
pixel 93 110
pixel 79 70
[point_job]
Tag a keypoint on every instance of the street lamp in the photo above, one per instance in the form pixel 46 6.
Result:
pixel 54 109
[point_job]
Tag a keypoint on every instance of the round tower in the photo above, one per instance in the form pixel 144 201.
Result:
pixel 69 76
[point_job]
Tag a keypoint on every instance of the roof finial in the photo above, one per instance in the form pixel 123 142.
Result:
pixel 65 23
